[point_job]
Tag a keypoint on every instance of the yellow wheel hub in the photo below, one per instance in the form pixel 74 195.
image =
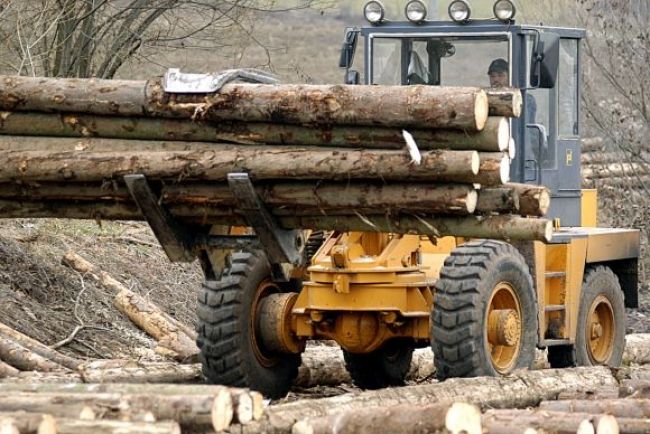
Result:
pixel 600 330
pixel 266 359
pixel 504 330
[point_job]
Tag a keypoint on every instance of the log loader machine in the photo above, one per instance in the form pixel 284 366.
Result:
pixel 484 306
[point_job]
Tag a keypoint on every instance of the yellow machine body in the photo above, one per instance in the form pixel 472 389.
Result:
pixel 366 288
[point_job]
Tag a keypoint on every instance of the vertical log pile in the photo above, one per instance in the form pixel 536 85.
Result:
pixel 373 158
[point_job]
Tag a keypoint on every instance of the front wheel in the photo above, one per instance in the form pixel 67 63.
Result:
pixel 484 318
pixel 387 366
pixel 229 337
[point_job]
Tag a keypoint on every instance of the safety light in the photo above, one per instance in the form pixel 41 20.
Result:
pixel 416 11
pixel 374 12
pixel 459 11
pixel 504 10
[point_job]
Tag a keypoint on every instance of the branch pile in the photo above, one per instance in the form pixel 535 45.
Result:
pixel 370 158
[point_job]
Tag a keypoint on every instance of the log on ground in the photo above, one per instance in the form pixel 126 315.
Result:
pixel 142 373
pixel 637 349
pixel 517 421
pixel 51 377
pixel 504 102
pixel 424 106
pixel 75 426
pixel 521 390
pixel 261 163
pixel 150 134
pixel 400 419
pixel 39 348
pixel 627 408
pixel 29 423
pixel 207 410
pixel 146 315
pixel 14 354
pixel 7 370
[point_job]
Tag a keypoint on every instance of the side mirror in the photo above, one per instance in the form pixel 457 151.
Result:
pixel 349 47
pixel 352 77
pixel 545 61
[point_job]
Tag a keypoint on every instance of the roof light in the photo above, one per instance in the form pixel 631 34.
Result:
pixel 416 11
pixel 459 11
pixel 374 12
pixel 504 10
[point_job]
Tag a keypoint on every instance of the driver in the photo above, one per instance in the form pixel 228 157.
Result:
pixel 499 75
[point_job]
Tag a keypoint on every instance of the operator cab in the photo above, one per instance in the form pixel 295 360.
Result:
pixel 541 61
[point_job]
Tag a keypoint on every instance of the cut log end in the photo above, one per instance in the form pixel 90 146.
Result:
pixel 47 425
pixel 512 149
pixel 607 425
pixel 222 410
pixel 7 426
pixel 476 163
pixel 503 134
pixel 586 427
pixel 548 231
pixel 481 109
pixel 505 169
pixel 472 201
pixel 464 418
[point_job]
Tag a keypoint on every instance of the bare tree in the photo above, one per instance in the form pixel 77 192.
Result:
pixel 94 38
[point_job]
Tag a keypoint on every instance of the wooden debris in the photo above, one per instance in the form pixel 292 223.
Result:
pixel 637 349
pixel 515 421
pixel 39 348
pixel 627 408
pixel 7 370
pixel 23 359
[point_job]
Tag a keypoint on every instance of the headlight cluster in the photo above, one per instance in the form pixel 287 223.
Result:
pixel 459 11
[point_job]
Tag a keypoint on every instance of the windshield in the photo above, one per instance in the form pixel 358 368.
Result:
pixel 447 61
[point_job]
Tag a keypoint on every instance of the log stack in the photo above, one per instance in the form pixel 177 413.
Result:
pixel 432 160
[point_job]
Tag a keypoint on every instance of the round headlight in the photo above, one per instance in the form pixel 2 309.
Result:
pixel 416 11
pixel 504 10
pixel 459 11
pixel 374 12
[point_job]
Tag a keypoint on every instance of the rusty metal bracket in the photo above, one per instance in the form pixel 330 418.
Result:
pixel 234 242
pixel 172 236
pixel 282 246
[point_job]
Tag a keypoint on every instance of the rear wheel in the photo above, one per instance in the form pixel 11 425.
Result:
pixel 387 366
pixel 600 338
pixel 484 318
pixel 229 336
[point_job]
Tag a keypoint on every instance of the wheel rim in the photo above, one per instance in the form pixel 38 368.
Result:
pixel 600 330
pixel 504 332
pixel 267 360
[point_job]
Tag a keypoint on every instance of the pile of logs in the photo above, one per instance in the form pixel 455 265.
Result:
pixel 424 159
pixel 606 169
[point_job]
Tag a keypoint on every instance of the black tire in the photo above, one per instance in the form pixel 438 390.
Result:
pixel 561 356
pixel 387 366
pixel 467 281
pixel 226 336
pixel 599 281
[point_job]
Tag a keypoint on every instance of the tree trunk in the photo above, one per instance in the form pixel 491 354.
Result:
pixel 260 163
pixel 534 200
pixel 39 348
pixel 248 405
pixel 306 198
pixel 145 373
pixel 521 389
pixel 413 106
pixel 502 200
pixel 493 138
pixel 28 423
pixel 146 315
pixel 494 169
pixel 400 419
pixel 7 370
pixel 207 410
pixel 324 366
pixel 504 102
pixel 516 422
pixel 72 426
pixel 627 408
pixel 637 349
pixel 14 354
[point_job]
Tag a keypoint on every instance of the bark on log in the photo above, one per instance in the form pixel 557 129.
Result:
pixel 615 170
pixel 39 348
pixel 325 366
pixel 499 200
pixel 636 388
pixel 29 423
pixel 400 419
pixel 143 313
pixel 247 405
pixel 208 410
pixel 145 373
pixel 282 198
pixel 521 389
pixel 504 102
pixel 495 227
pixel 72 426
pixel 628 408
pixel 494 169
pixel 534 200
pixel 7 370
pixel 419 106
pixel 156 131
pixel 14 354
pixel 637 349
pixel 53 377
pixel 261 163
